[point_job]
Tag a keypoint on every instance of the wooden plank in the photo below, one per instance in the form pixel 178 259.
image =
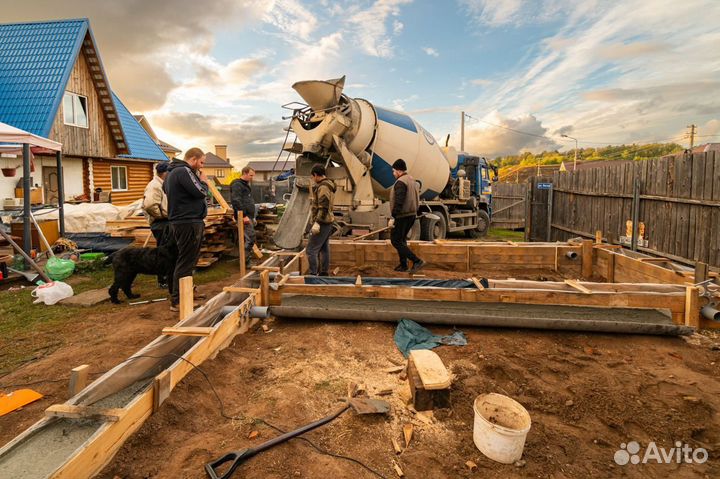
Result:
pixel 70 411
pixel 187 331
pixel 477 283
pixel 218 197
pixel 236 289
pixel 610 276
pixel 161 389
pixel 264 289
pixel 78 379
pixel 433 373
pixel 675 302
pixel 241 242
pixel 574 284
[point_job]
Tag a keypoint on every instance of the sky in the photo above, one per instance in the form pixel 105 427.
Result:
pixel 604 72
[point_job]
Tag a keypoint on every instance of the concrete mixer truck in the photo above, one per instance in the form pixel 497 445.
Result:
pixel 357 142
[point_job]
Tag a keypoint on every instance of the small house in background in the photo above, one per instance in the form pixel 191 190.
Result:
pixel 217 165
pixel 169 150
pixel 267 169
pixel 53 84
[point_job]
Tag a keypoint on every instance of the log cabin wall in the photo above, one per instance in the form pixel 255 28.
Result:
pixel 139 174
pixel 96 140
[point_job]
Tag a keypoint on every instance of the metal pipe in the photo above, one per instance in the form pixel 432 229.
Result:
pixel 477 319
pixel 61 193
pixel 571 254
pixel 27 184
pixel 709 312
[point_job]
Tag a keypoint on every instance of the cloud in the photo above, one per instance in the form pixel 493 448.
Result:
pixel 563 130
pixel 481 82
pixel 492 141
pixel 520 12
pixel 397 27
pixel 617 73
pixel 431 51
pixel 136 38
pixel 399 103
pixel 290 17
pixel 253 137
pixel 370 28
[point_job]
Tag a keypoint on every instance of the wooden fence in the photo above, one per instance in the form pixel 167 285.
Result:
pixel 675 200
pixel 508 205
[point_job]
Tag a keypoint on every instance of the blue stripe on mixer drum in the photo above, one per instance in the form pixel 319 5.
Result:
pixel 394 118
pixel 382 171
pixel 429 194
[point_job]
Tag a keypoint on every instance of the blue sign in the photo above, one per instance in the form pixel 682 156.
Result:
pixel 544 186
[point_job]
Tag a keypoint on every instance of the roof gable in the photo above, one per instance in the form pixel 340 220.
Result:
pixel 211 159
pixel 36 60
pixel 139 142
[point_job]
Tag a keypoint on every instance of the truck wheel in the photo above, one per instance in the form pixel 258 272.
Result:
pixel 433 229
pixel 483 225
pixel 414 233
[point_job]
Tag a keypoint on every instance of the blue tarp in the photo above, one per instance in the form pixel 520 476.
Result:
pixel 409 335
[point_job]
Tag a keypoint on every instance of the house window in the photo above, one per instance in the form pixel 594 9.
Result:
pixel 119 178
pixel 220 173
pixel 75 110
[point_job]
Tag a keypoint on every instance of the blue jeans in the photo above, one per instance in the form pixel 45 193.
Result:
pixel 319 244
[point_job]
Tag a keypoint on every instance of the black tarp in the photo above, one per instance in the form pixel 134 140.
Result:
pixel 370 281
pixel 99 242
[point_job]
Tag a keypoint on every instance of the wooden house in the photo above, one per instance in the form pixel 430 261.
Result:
pixel 53 84
pixel 217 165
pixel 169 150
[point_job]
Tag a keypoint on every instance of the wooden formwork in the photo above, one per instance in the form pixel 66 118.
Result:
pixel 630 282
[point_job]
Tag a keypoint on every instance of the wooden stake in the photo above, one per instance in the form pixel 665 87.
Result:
pixel 161 388
pixel 701 272
pixel 692 307
pixel 587 258
pixel 598 237
pixel 186 297
pixel 78 379
pixel 264 289
pixel 407 434
pixel 241 242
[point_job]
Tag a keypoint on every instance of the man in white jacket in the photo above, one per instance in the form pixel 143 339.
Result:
pixel 155 207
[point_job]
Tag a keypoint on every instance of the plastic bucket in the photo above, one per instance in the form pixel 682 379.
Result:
pixel 500 428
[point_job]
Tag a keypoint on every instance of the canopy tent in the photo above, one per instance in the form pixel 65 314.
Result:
pixel 10 134
pixel 15 140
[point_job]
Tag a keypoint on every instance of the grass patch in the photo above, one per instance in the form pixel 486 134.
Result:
pixel 29 331
pixel 505 235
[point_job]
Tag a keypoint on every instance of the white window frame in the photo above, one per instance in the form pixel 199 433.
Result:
pixel 112 177
pixel 87 110
pixel 220 173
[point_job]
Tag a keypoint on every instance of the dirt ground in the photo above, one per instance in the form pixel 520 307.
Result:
pixel 586 393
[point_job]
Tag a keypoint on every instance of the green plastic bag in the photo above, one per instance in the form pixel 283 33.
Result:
pixel 59 269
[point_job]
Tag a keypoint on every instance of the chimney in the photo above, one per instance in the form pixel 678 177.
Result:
pixel 221 151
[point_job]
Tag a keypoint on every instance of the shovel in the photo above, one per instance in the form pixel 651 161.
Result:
pixel 360 405
pixel 30 275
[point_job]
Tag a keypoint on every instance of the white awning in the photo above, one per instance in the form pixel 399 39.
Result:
pixel 10 134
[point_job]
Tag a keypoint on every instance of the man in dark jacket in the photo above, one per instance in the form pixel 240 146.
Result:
pixel 321 214
pixel 186 189
pixel 242 202
pixel 404 200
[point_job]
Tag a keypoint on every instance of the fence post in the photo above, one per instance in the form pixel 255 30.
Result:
pixel 548 235
pixel 635 213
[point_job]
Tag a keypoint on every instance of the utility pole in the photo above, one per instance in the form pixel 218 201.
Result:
pixel 462 131
pixel 692 135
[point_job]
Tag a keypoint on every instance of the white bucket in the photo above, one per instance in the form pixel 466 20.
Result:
pixel 500 428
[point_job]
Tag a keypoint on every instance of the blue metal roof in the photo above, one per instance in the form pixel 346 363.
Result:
pixel 35 63
pixel 138 140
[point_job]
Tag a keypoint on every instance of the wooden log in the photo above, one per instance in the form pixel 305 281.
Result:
pixel 264 288
pixel 692 307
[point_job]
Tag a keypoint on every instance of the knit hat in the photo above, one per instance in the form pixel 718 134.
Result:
pixel 399 165
pixel 162 167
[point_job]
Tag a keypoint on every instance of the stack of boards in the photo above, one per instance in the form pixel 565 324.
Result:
pixel 219 238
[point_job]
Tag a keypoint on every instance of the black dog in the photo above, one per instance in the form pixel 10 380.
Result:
pixel 129 262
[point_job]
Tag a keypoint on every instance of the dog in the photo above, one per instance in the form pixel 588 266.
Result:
pixel 129 262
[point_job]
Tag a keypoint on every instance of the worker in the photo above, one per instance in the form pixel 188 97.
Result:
pixel 321 215
pixel 242 202
pixel 404 201
pixel 186 189
pixel 155 207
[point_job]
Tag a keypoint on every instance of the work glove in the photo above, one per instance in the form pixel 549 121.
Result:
pixel 315 228
pixel 391 223
pixel 246 220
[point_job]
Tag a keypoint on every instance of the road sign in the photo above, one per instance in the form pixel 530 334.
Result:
pixel 544 186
